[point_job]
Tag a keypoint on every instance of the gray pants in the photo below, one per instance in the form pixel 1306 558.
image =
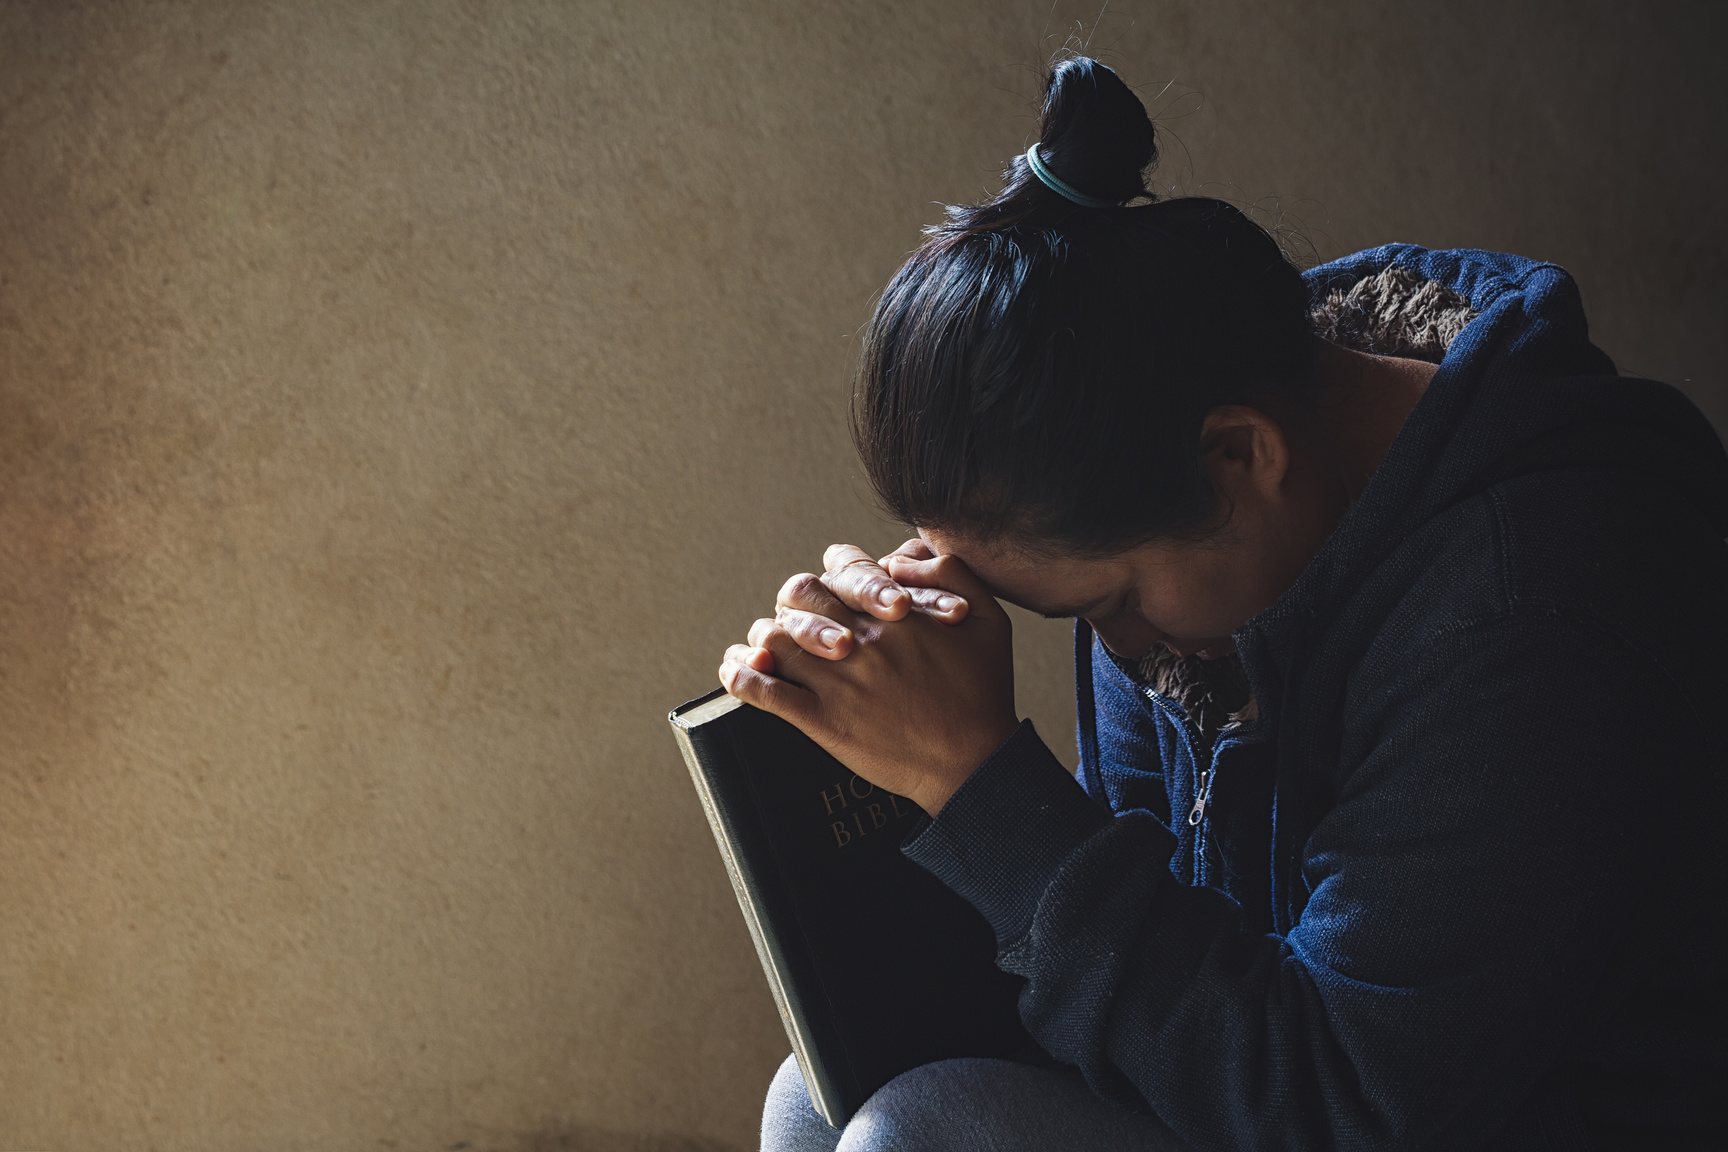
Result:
pixel 963 1106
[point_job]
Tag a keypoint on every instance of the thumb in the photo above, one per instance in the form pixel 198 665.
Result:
pixel 913 549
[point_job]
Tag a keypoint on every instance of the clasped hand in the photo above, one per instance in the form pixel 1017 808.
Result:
pixel 901 668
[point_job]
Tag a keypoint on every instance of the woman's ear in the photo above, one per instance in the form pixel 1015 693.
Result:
pixel 1244 451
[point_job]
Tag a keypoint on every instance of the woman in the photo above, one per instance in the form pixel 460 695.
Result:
pixel 1399 645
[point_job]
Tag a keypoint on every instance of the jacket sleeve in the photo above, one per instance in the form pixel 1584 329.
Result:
pixel 1466 887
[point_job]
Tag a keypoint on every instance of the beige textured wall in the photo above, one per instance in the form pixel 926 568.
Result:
pixel 401 404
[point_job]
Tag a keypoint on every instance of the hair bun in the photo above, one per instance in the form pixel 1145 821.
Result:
pixel 1094 132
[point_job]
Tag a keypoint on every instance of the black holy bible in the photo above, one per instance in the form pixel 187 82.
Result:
pixel 876 966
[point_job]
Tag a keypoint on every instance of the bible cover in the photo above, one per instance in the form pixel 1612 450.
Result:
pixel 876 966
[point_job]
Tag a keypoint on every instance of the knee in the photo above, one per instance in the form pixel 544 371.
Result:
pixel 931 1108
pixel 917 1111
pixel 789 1122
pixel 970 1105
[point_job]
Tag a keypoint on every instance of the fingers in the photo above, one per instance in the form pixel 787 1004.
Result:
pixel 786 650
pixel 941 574
pixel 935 600
pixel 808 593
pixel 769 693
pixel 755 674
pixel 815 634
pixel 940 603
pixel 759 659
pixel 813 617
pixel 818 618
pixel 861 584
pixel 769 650
pixel 857 582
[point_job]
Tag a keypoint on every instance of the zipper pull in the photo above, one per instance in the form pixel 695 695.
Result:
pixel 1202 796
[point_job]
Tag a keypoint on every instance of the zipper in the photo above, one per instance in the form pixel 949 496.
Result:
pixel 1202 786
pixel 1202 797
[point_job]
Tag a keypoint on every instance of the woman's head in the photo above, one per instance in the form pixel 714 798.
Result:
pixel 1039 372
pixel 1189 595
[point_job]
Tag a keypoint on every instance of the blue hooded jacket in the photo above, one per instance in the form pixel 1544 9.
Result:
pixel 1460 882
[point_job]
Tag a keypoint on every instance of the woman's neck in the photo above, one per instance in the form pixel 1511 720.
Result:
pixel 1362 404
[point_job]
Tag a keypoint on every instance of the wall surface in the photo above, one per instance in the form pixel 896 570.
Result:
pixel 403 403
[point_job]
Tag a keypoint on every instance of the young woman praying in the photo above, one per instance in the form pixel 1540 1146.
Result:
pixel 1401 634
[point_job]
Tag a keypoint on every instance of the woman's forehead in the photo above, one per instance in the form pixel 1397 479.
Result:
pixel 1047 583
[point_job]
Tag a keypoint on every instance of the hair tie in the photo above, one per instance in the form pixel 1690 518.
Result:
pixel 1055 183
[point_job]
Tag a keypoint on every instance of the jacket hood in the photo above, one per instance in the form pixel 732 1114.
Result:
pixel 1520 389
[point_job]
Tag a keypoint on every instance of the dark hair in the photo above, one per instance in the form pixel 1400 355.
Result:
pixel 1040 370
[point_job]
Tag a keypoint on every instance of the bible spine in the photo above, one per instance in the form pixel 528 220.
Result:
pixel 710 752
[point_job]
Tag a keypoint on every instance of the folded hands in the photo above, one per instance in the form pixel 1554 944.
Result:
pixel 901 667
